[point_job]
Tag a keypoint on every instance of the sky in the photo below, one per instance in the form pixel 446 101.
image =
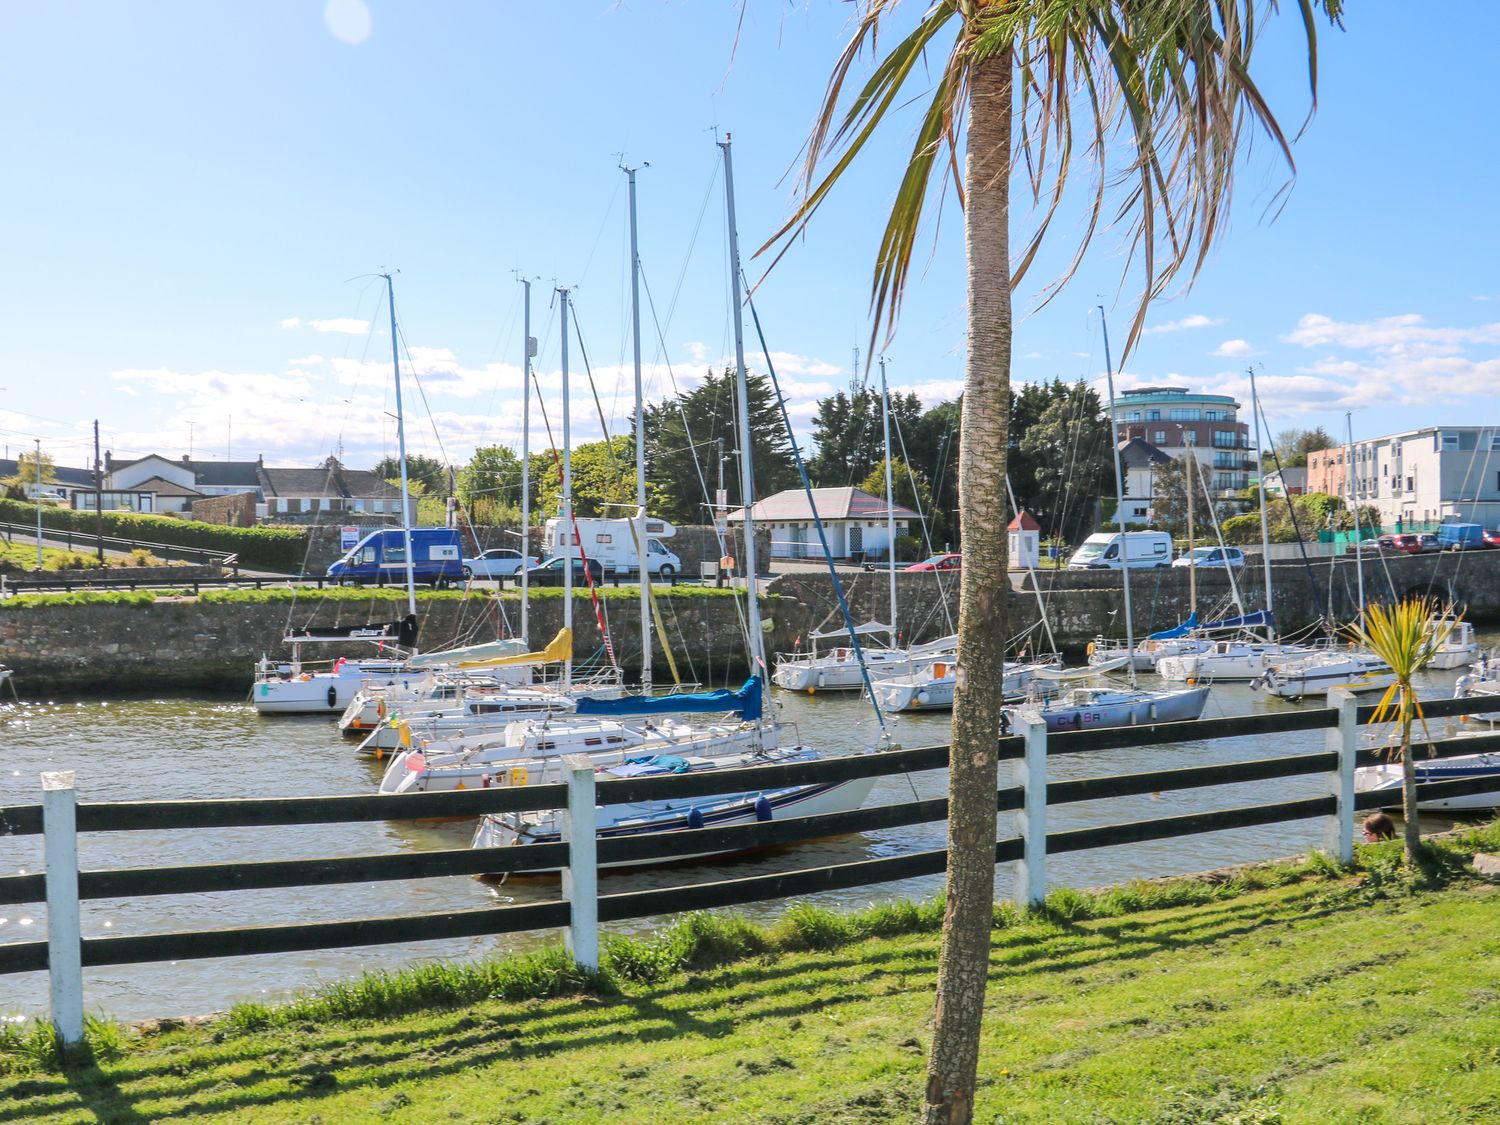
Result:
pixel 200 198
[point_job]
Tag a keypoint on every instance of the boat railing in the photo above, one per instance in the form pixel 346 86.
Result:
pixel 1329 795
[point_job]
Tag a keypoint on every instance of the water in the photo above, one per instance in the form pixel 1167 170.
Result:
pixel 187 748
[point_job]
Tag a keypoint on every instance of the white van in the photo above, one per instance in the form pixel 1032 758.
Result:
pixel 1104 550
pixel 612 544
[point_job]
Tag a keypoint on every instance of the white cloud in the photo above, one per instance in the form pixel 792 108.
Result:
pixel 348 21
pixel 1196 320
pixel 291 322
pixel 1408 334
pixel 348 325
pixel 305 361
pixel 1234 349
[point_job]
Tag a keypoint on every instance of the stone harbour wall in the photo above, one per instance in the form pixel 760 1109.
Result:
pixel 191 645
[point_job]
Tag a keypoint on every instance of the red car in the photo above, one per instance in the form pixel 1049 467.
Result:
pixel 1492 538
pixel 939 562
pixel 1406 544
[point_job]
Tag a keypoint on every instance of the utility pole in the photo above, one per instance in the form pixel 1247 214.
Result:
pixel 98 494
pixel 39 503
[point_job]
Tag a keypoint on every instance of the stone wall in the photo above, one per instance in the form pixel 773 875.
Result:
pixel 187 644
pixel 1084 604
pixel 111 577
pixel 231 511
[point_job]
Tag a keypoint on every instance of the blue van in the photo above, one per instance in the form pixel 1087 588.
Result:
pixel 1460 537
pixel 380 558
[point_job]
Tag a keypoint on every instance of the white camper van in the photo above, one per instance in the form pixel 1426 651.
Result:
pixel 1109 550
pixel 612 543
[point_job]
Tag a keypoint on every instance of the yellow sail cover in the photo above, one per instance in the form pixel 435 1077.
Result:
pixel 558 648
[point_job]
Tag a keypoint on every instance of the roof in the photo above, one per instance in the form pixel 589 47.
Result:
pixel 206 474
pixel 1023 522
pixel 162 487
pixel 72 478
pixel 328 479
pixel 832 504
pixel 1138 452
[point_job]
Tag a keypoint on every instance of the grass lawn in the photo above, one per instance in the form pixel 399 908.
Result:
pixel 22 555
pixel 1326 998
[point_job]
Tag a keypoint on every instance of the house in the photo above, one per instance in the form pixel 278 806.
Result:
pixel 303 495
pixel 1139 460
pixel 853 521
pixel 159 485
pixel 64 483
pixel 1325 472
pixel 1421 477
pixel 1286 482
pixel 1176 420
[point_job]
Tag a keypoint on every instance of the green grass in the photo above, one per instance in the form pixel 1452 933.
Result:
pixel 18 555
pixel 1287 993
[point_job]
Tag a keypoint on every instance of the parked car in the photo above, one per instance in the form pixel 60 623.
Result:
pixel 1429 542
pixel 500 562
pixel 1407 544
pixel 1103 550
pixel 951 561
pixel 1212 557
pixel 1490 537
pixel 550 573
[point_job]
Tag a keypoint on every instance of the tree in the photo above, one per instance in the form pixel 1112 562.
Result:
pixel 934 451
pixel 1169 81
pixel 18 484
pixel 419 467
pixel 684 438
pixel 850 436
pixel 909 488
pixel 489 486
pixel 1069 461
pixel 1406 636
pixel 1293 446
pixel 603 481
pixel 1170 493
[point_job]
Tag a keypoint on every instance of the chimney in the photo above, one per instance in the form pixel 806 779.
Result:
pixel 260 460
pixel 107 459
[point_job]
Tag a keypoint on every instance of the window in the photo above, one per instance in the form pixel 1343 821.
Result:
pixel 604 537
pixel 1411 484
pixel 1153 415
pixel 1450 441
pixel 1161 437
pixel 1183 414
pixel 1495 440
pixel 377 505
pixel 1133 416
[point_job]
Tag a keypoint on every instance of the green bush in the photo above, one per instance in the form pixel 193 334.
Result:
pixel 275 548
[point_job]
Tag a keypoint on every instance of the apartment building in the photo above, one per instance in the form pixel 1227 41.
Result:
pixel 1429 475
pixel 1175 420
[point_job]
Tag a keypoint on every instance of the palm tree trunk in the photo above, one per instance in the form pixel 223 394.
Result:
pixel 1412 829
pixel 964 966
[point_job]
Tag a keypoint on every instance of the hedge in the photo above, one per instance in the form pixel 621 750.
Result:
pixel 274 548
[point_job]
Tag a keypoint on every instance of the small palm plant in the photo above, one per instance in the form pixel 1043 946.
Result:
pixel 1405 636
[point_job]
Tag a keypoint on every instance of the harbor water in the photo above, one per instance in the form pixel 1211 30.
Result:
pixel 191 748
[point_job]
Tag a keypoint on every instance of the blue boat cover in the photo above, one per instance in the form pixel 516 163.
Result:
pixel 1181 631
pixel 1260 619
pixel 747 701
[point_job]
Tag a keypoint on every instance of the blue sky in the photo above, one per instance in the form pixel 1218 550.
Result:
pixel 198 194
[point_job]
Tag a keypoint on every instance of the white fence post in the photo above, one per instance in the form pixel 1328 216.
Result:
pixel 580 881
pixel 1338 834
pixel 1030 773
pixel 64 941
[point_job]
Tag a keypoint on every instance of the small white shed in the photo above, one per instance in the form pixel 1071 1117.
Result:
pixel 1025 542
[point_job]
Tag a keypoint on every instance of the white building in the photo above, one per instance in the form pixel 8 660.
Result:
pixel 1431 475
pixel 853 520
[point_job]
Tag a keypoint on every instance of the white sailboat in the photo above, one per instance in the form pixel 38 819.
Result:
pixel 838 668
pixel 1090 707
pixel 758 744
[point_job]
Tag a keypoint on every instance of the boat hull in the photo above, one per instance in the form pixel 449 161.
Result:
pixel 1386 780
pixel 1152 707
pixel 316 693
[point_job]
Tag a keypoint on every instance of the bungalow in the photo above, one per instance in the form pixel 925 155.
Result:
pixel 302 495
pixel 64 483
pixel 853 520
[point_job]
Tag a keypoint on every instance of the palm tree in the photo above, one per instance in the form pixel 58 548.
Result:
pixel 1160 94
pixel 1405 636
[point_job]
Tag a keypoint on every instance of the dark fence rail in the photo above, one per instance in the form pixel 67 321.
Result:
pixel 1339 805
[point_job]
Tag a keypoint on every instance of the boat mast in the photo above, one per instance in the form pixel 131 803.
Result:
pixel 742 394
pixel 530 350
pixel 1260 485
pixel 1191 465
pixel 411 585
pixel 1359 555
pixel 1114 441
pixel 565 510
pixel 890 503
pixel 640 445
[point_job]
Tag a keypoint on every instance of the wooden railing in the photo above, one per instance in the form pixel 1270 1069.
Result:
pixel 580 909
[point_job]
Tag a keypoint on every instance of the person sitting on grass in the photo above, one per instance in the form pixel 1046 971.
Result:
pixel 1378 826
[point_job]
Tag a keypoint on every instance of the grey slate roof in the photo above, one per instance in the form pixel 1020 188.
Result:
pixel 329 479
pixel 1138 452
pixel 72 478
pixel 164 487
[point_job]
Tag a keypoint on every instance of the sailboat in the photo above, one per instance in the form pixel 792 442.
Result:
pixel 1246 658
pixel 838 668
pixel 1083 708
pixel 761 746
pixel 295 688
pixel 1353 669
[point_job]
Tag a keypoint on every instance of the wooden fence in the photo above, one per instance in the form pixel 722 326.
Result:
pixel 581 909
